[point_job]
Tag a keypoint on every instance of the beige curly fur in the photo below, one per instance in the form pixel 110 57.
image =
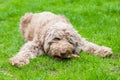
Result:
pixel 54 35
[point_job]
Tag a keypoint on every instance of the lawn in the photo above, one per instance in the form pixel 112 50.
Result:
pixel 96 20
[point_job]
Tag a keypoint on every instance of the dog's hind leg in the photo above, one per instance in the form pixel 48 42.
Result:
pixel 30 50
pixel 90 47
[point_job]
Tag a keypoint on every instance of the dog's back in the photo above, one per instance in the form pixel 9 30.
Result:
pixel 30 23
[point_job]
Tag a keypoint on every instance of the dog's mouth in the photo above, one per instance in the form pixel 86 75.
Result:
pixel 58 58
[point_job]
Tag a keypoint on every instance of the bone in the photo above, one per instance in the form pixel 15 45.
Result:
pixel 74 56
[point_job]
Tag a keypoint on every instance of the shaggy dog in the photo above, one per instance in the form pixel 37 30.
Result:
pixel 54 35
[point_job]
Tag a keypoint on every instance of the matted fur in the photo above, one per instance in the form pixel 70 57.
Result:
pixel 54 35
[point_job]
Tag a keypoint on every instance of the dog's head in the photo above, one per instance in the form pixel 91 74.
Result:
pixel 57 44
pixel 61 48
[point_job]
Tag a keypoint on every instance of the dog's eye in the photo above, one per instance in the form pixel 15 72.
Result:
pixel 56 38
pixel 73 52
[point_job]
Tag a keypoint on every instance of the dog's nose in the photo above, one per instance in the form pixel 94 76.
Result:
pixel 63 54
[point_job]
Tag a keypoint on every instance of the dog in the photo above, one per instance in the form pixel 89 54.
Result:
pixel 54 35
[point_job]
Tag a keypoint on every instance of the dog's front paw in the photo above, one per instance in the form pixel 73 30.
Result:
pixel 104 51
pixel 19 61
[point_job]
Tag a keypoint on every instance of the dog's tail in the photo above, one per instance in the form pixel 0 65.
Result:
pixel 24 21
pixel 26 18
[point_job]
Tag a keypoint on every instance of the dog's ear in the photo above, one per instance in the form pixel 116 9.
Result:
pixel 26 18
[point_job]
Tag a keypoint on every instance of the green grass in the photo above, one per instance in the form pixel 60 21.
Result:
pixel 97 20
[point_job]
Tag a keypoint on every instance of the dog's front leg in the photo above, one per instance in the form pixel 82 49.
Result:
pixel 30 50
pixel 90 47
